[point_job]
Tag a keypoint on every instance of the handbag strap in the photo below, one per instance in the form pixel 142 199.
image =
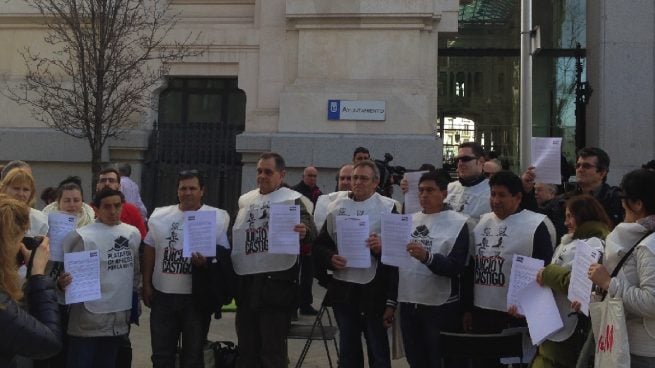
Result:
pixel 625 257
pixel 620 264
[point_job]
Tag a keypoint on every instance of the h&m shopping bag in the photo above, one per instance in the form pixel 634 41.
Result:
pixel 610 333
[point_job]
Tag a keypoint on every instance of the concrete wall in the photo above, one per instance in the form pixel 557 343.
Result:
pixel 621 71
pixel 290 57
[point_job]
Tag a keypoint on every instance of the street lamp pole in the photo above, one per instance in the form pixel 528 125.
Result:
pixel 526 85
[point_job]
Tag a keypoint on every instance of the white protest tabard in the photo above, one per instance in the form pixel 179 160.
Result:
pixel 580 285
pixel 84 267
pixel 60 224
pixel 281 237
pixel 524 271
pixel 395 234
pixel 352 232
pixel 199 233
pixel 540 310
pixel 546 158
pixel 412 203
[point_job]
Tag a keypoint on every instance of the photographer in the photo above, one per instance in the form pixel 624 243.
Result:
pixel 36 334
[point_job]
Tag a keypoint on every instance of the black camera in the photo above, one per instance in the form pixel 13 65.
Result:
pixel 389 175
pixel 32 243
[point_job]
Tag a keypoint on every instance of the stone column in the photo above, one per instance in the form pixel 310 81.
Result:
pixel 620 69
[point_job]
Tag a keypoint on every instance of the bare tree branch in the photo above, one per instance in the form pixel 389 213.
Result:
pixel 101 72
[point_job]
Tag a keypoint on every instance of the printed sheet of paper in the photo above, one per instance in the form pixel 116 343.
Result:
pixel 84 267
pixel 580 285
pixel 412 204
pixel 60 224
pixel 199 234
pixel 524 271
pixel 352 232
pixel 281 237
pixel 546 158
pixel 540 310
pixel 395 236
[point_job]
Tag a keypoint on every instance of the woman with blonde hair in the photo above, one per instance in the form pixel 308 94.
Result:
pixel 19 184
pixel 37 333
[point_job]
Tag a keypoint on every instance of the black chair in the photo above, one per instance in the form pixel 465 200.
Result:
pixel 315 331
pixel 487 346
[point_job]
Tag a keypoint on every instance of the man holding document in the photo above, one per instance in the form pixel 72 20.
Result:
pixel 363 291
pixel 506 231
pixel 271 222
pixel 428 288
pixel 182 241
pixel 102 283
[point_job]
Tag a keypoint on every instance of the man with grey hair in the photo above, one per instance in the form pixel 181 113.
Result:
pixel 130 189
pixel 363 299
pixel 544 193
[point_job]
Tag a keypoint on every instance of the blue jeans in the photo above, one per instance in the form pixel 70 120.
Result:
pixel 421 326
pixel 172 314
pixel 93 352
pixel 352 323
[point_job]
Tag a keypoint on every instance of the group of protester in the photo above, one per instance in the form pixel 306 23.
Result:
pixel 462 244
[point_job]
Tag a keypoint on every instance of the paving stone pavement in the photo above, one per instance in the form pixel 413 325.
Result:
pixel 223 329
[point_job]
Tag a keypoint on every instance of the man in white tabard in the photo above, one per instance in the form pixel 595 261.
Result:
pixel 470 193
pixel 429 289
pixel 169 277
pixel 268 284
pixel 363 299
pixel 498 236
pixel 320 212
pixel 96 329
pixel 323 201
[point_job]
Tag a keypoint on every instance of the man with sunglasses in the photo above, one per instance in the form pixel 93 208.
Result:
pixel 174 286
pixel 470 193
pixel 591 169
pixel 267 286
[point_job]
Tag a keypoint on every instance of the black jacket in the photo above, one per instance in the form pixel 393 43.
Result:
pixel 609 197
pixel 213 285
pixel 372 297
pixel 37 334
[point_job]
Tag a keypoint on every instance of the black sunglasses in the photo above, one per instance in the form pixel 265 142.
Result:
pixel 465 159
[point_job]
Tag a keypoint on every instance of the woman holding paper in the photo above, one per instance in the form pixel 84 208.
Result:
pixel 33 334
pixel 635 282
pixel 585 220
pixel 70 200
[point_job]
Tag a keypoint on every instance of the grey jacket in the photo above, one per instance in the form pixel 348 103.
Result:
pixel 635 285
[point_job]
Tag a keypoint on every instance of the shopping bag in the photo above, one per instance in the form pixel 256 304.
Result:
pixel 610 334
